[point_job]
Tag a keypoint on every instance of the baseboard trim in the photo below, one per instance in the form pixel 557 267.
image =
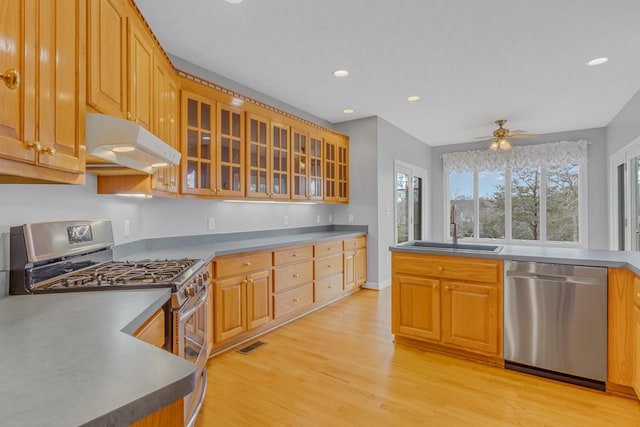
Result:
pixel 377 286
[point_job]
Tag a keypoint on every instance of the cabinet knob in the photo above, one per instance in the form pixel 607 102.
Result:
pixel 37 147
pixel 11 78
pixel 440 269
pixel 247 264
pixel 244 282
pixel 295 255
pixel 49 150
pixel 446 288
pixel 638 295
pixel 295 300
pixel 296 275
pixel 329 266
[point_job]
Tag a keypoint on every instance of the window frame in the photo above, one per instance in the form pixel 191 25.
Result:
pixel 508 239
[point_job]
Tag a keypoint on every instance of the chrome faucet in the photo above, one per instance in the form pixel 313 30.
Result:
pixel 452 226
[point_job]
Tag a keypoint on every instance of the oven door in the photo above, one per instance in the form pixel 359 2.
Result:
pixel 191 344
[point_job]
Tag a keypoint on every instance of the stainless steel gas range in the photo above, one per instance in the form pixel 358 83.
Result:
pixel 76 256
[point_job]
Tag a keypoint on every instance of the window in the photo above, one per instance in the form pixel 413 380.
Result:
pixel 409 202
pixel 532 194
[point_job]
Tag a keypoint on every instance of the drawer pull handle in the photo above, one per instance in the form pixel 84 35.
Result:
pixel 247 264
pixel 440 269
pixel 295 300
pixel 296 275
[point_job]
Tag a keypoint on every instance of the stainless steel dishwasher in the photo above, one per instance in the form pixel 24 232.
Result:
pixel 555 321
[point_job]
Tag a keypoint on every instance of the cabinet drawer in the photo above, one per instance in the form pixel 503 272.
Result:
pixel 152 331
pixel 636 290
pixel 355 243
pixel 293 300
pixel 327 266
pixel 448 267
pixel 292 275
pixel 240 264
pixel 328 287
pixel 299 253
pixel 327 248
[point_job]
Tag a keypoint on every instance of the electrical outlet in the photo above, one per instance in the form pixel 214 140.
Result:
pixel 285 220
pixel 212 223
pixel 127 228
pixel 317 219
pixel 350 217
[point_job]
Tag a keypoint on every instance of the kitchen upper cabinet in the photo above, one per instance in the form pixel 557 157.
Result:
pixel 198 147
pixel 258 165
pixel 449 303
pixel 107 57
pixel 43 99
pixel 165 123
pixel 230 155
pixel 280 152
pixel 330 170
pixel 342 167
pixel 299 164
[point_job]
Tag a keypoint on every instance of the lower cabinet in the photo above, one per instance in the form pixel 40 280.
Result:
pixel 636 336
pixel 152 331
pixel 432 303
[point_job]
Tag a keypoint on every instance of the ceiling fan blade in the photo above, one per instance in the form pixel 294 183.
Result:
pixel 525 135
pixel 513 132
pixel 483 137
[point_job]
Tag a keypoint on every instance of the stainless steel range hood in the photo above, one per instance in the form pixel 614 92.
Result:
pixel 128 144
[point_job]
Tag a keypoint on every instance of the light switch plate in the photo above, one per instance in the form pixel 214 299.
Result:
pixel 350 217
pixel 285 220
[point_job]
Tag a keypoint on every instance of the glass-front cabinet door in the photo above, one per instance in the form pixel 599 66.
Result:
pixel 198 151
pixel 330 166
pixel 230 152
pixel 315 167
pixel 257 163
pixel 299 164
pixel 280 161
pixel 342 165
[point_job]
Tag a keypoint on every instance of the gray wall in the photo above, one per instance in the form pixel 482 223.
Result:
pixel 625 126
pixel 374 146
pixel 596 180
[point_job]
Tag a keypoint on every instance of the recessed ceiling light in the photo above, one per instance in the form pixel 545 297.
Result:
pixel 597 61
pixel 234 1
pixel 341 73
pixel 347 111
pixel 413 98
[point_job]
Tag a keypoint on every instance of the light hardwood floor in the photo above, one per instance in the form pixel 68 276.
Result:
pixel 340 367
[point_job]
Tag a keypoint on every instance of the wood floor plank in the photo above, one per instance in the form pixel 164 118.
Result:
pixel 339 367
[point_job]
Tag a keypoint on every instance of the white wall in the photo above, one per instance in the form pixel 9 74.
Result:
pixel 374 145
pixel 597 181
pixel 625 126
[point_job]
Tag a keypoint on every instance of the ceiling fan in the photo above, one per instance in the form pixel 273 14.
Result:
pixel 501 136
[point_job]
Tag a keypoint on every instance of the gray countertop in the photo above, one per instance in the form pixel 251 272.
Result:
pixel 558 255
pixel 67 359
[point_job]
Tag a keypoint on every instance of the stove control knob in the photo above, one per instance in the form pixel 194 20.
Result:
pixel 192 291
pixel 186 292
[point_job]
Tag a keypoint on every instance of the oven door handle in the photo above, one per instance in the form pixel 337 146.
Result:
pixel 202 300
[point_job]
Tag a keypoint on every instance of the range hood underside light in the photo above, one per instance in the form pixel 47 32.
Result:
pixel 128 144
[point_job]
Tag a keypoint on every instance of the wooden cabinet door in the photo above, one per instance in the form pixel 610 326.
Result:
pixel 636 353
pixel 280 162
pixel 470 316
pixel 210 320
pixel 165 126
pixel 11 100
pixel 299 164
pixel 107 57
pixel 59 110
pixel 416 307
pixel 230 155
pixel 342 167
pixel 315 168
pixel 230 302
pixel 349 270
pixel 361 266
pixel 198 147
pixel 140 76
pixel 258 164
pixel 259 302
pixel 330 170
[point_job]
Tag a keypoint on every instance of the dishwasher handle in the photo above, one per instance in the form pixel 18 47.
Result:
pixel 559 279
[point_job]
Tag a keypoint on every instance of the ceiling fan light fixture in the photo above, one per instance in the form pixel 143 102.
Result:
pixel 494 145
pixel 504 144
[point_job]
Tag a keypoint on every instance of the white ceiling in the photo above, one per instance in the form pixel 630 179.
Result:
pixel 471 61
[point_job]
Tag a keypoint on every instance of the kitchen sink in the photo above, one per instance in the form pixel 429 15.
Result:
pixel 458 247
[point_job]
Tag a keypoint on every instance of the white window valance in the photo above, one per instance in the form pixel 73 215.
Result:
pixel 552 154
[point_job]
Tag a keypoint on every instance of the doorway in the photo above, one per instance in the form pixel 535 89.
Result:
pixel 409 200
